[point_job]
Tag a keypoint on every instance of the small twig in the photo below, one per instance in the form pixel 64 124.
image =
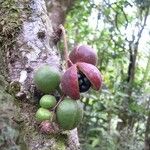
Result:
pixel 59 102
pixel 65 44
pixel 54 109
pixel 51 120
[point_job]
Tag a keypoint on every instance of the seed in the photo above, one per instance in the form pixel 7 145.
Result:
pixel 80 82
pixel 79 76
pixel 84 88
pixel 84 83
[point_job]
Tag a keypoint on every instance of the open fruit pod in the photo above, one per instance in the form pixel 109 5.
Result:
pixel 79 78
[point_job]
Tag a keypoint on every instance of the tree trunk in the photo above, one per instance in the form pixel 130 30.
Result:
pixel 28 38
pixel 147 134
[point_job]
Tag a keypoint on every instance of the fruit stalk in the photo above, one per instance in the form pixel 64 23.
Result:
pixel 62 97
pixel 65 44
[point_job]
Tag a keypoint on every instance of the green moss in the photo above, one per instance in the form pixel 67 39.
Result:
pixel 60 143
pixel 10 25
pixel 60 146
pixel 9 129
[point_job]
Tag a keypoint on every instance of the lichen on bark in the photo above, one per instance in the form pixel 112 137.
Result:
pixel 10 24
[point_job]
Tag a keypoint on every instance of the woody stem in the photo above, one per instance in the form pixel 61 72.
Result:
pixel 65 44
pixel 59 102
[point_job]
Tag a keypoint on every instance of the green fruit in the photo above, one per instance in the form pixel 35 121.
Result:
pixel 43 114
pixel 69 114
pixel 47 79
pixel 48 101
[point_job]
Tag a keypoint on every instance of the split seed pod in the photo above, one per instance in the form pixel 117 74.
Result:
pixel 70 82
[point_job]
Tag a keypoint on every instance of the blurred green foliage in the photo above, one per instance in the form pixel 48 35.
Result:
pixel 115 117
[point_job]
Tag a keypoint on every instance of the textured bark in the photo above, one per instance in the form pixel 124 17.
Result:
pixel 147 134
pixel 33 43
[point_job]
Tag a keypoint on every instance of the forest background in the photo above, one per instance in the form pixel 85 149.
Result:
pixel 117 117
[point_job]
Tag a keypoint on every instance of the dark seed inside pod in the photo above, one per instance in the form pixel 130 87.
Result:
pixel 84 83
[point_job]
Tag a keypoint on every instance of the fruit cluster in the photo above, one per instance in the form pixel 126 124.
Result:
pixel 82 72
pixel 80 75
pixel 47 102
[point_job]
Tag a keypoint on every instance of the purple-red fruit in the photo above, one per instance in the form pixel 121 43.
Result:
pixel 83 53
pixel 79 78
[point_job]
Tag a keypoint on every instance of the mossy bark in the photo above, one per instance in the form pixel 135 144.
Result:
pixel 28 39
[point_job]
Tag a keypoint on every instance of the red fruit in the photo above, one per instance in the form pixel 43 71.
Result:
pixel 71 79
pixel 92 73
pixel 83 53
pixel 69 82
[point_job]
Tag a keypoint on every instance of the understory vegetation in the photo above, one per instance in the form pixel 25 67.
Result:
pixel 118 116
